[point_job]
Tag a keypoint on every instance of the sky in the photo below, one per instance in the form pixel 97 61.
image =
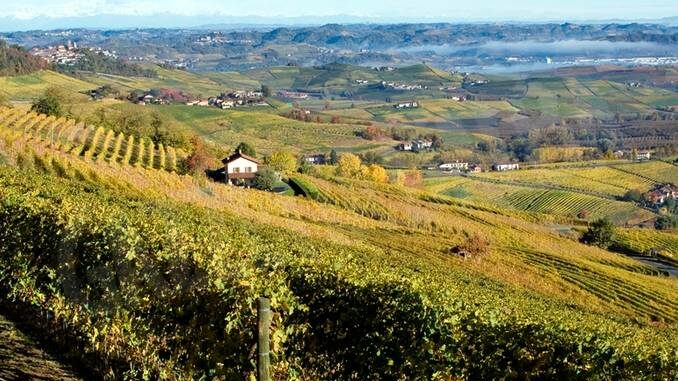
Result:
pixel 370 10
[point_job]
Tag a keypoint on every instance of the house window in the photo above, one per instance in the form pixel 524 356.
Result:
pixel 248 169
pixel 236 169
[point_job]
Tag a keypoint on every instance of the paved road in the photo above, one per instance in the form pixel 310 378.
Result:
pixel 22 359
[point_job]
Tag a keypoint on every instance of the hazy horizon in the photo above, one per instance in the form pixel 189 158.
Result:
pixel 123 14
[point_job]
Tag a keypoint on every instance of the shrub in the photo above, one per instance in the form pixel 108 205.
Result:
pixel 601 233
pixel 474 245
pixel 266 179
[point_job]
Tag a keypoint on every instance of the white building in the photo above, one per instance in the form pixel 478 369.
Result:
pixel 505 167
pixel 240 167
pixel 456 166
pixel 643 155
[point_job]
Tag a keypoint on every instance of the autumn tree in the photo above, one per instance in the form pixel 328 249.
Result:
pixel 376 173
pixel 282 161
pixel 198 161
pixel 411 178
pixel 349 165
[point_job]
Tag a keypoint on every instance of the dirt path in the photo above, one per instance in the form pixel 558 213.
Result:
pixel 21 358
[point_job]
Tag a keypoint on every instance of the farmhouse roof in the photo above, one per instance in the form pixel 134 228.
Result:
pixel 238 155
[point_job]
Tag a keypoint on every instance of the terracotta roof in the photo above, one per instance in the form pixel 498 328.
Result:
pixel 237 155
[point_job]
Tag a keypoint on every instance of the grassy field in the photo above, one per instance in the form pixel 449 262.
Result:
pixel 28 87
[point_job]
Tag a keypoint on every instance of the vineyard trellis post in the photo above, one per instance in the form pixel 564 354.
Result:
pixel 263 339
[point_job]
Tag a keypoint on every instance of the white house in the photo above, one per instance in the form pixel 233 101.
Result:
pixel 643 155
pixel 240 168
pixel 505 167
pixel 419 145
pixel 456 166
pixel 412 104
pixel 405 147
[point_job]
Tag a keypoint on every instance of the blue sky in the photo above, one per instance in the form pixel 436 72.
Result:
pixel 443 10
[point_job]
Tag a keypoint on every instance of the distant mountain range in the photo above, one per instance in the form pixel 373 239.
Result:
pixel 167 20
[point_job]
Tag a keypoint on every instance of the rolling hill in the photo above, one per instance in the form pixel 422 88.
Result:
pixel 160 273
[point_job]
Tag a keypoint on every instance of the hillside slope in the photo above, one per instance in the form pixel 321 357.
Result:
pixel 165 269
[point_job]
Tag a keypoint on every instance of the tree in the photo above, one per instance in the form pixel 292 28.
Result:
pixel 633 195
pixel 266 179
pixel 48 104
pixel 371 157
pixel 665 223
pixel 198 161
pixel 411 178
pixel 550 136
pixel 282 161
pixel 349 165
pixel 246 148
pixel 334 158
pixel 376 173
pixel 266 90
pixel 601 233
pixel 605 145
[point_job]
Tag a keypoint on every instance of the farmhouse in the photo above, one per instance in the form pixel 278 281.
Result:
pixel 404 147
pixel 475 168
pixel 316 159
pixel 643 155
pixel 412 104
pixel 419 145
pixel 456 166
pixel 240 168
pixel 505 167
pixel 292 94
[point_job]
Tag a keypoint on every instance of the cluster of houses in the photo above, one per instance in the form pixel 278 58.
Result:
pixel 639 155
pixel 232 99
pixel 460 166
pixel 402 86
pixel 408 104
pixel 292 94
pixel 67 54
pixel 660 193
pixel 415 145
pixel 151 99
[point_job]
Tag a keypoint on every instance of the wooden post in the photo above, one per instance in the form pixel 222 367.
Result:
pixel 263 345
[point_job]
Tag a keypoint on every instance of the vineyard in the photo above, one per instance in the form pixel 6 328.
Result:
pixel 156 273
pixel 643 241
pixel 89 142
pixel 607 181
pixel 544 194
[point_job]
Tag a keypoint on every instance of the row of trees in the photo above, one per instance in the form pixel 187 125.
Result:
pixel 15 60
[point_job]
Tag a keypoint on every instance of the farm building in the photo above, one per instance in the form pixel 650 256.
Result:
pixel 456 166
pixel 316 159
pixel 475 168
pixel 240 168
pixel 505 167
pixel 643 155
pixel 412 104
pixel 404 147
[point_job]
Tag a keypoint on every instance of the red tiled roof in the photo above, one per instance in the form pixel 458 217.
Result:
pixel 239 155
